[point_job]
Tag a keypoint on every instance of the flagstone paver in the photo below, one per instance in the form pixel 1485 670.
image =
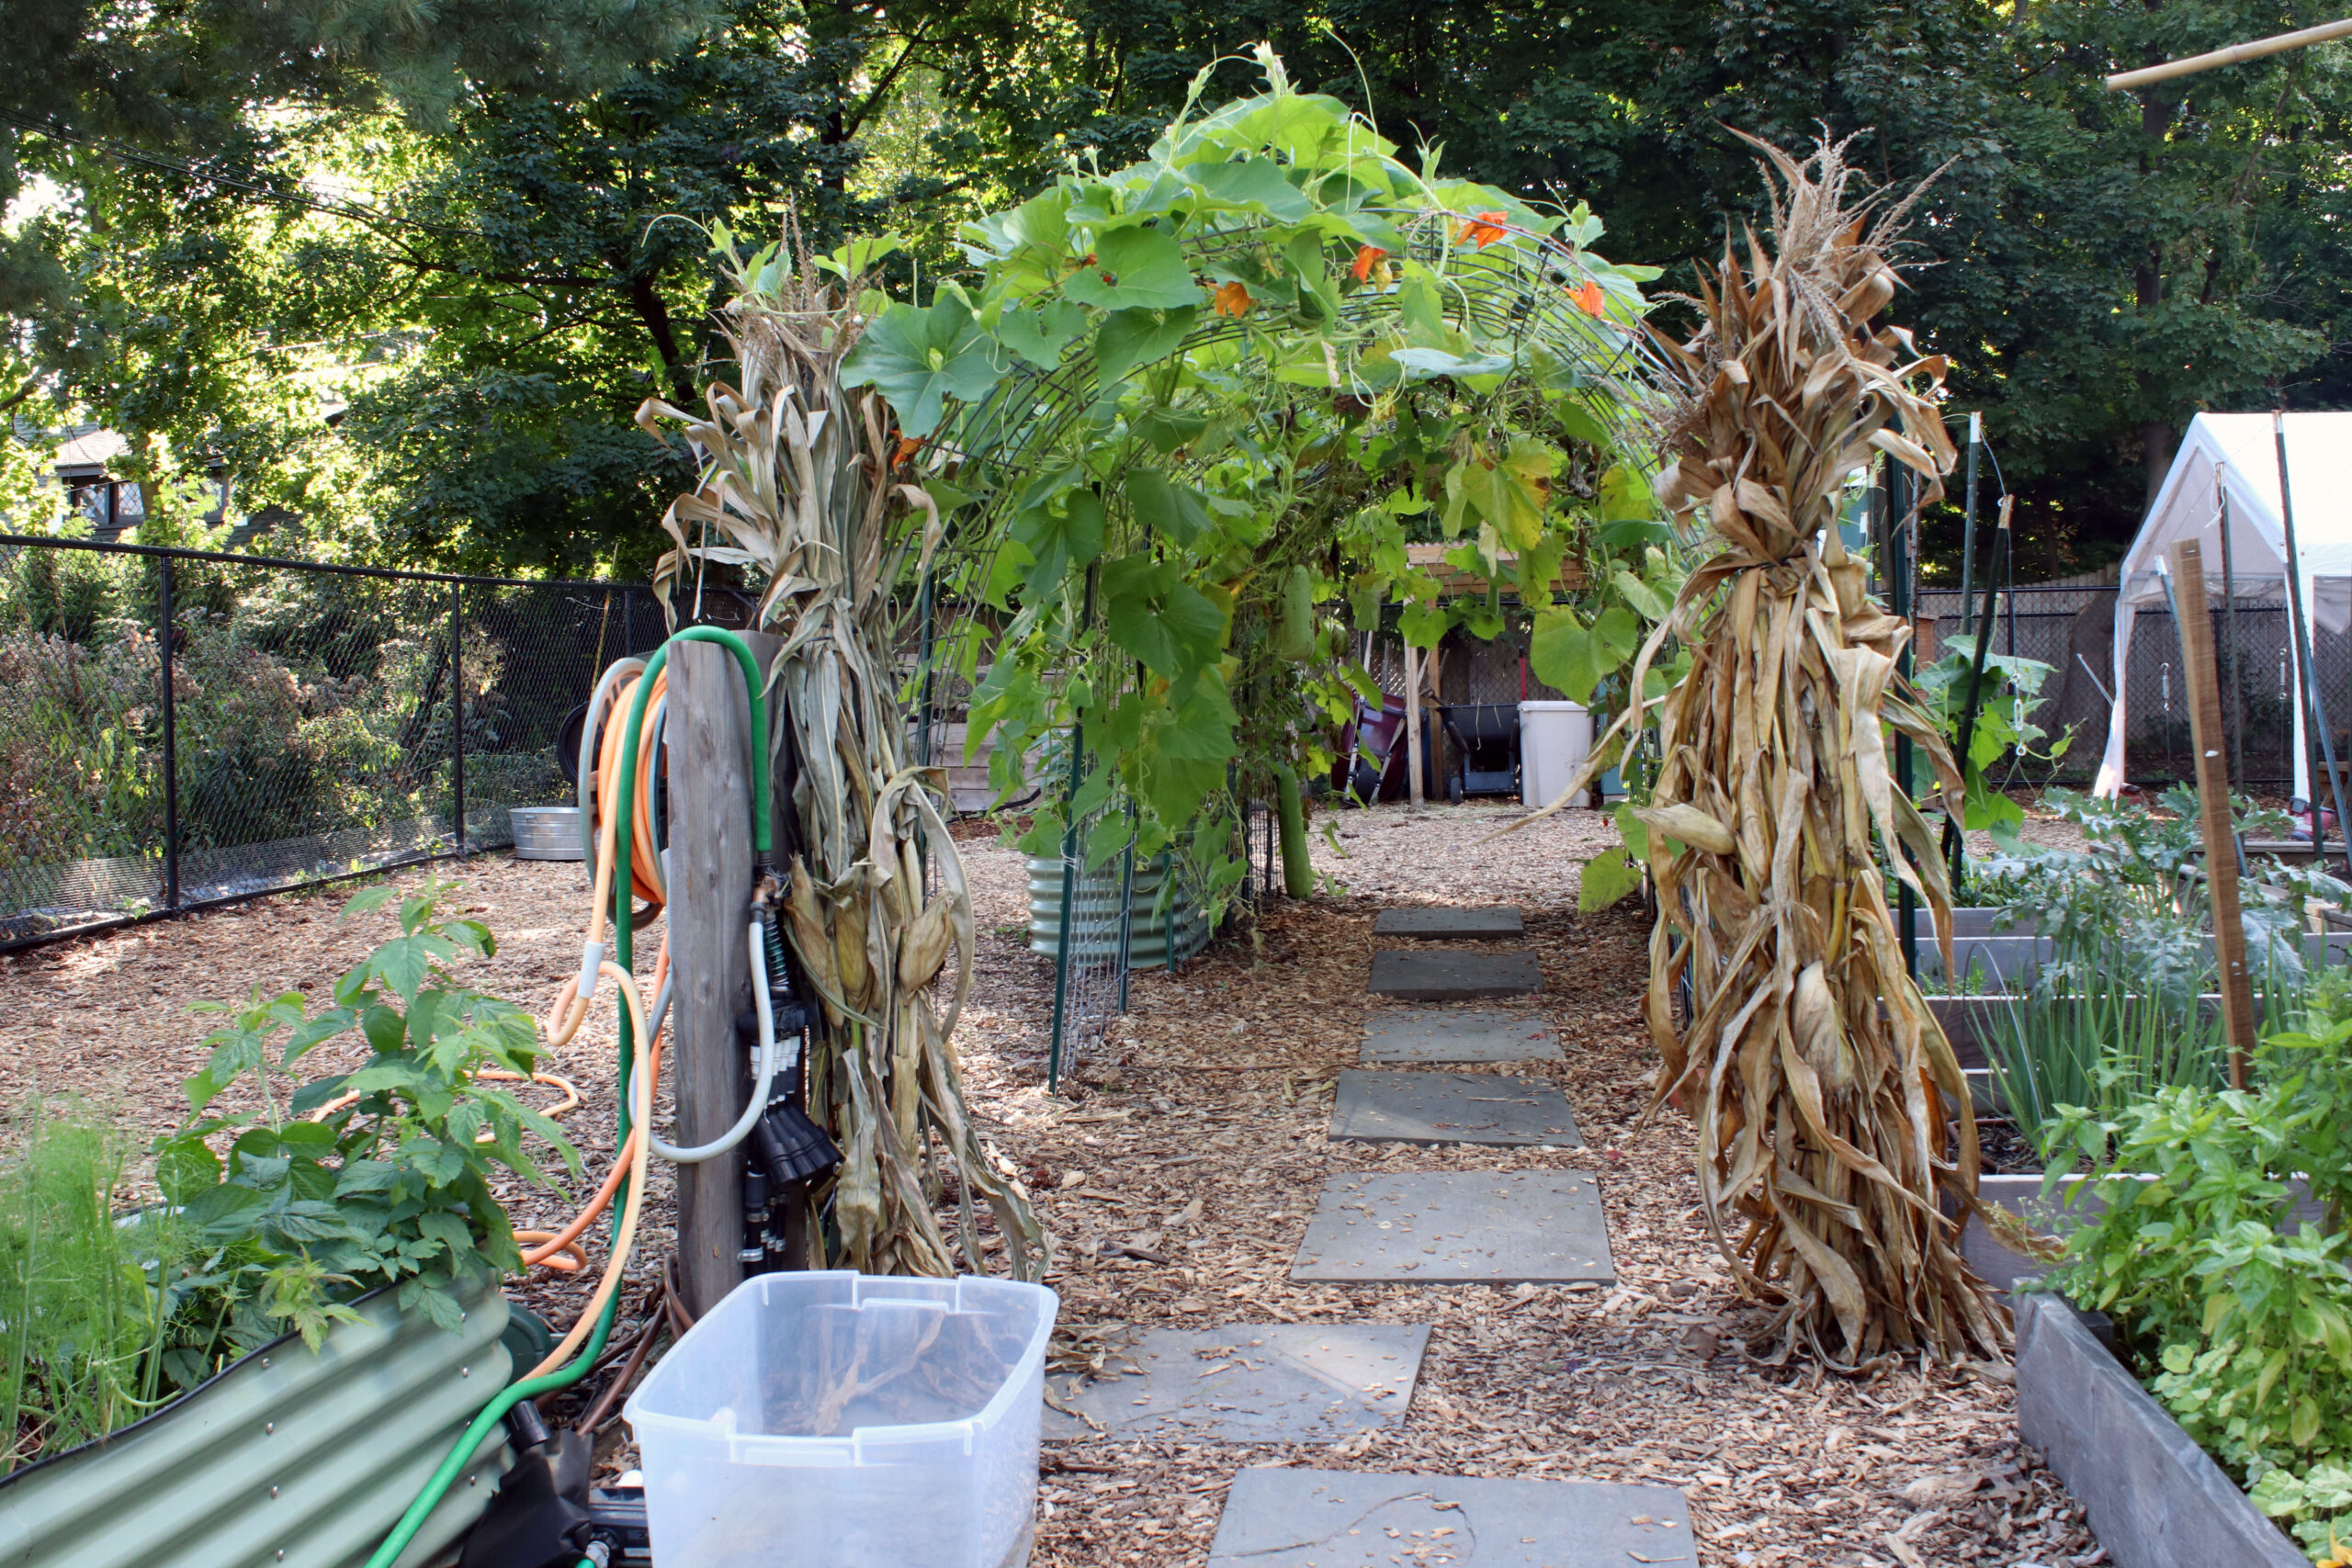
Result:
pixel 1450 1107
pixel 1292 1518
pixel 1440 1034
pixel 1468 1227
pixel 1273 1383
pixel 1448 975
pixel 1493 922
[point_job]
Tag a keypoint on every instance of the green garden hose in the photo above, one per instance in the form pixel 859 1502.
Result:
pixel 764 850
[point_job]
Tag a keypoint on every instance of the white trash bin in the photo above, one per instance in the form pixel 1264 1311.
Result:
pixel 1553 740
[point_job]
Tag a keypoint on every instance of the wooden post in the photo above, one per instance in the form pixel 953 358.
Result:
pixel 2214 799
pixel 1413 725
pixel 709 731
pixel 1925 647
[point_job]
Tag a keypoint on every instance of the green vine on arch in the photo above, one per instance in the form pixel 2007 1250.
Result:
pixel 1185 418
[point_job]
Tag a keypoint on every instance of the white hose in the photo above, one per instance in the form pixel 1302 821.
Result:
pixel 764 1056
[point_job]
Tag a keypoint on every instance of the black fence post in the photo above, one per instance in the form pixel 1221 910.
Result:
pixel 171 739
pixel 458 712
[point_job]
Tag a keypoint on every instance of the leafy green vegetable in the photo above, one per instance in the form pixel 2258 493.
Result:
pixel 2241 1309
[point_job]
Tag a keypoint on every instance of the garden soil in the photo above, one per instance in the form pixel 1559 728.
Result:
pixel 1178 1168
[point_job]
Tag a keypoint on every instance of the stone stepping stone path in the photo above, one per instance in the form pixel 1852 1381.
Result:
pixel 1278 1382
pixel 1448 1034
pixel 1493 924
pixel 1450 1107
pixel 1333 1518
pixel 1447 975
pixel 1311 1383
pixel 1458 1228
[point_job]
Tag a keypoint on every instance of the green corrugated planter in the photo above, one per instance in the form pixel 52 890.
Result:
pixel 293 1457
pixel 1094 914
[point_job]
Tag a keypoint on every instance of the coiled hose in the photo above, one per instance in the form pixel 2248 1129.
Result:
pixel 596 1324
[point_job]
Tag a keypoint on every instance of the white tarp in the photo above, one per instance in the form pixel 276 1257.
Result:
pixel 2228 464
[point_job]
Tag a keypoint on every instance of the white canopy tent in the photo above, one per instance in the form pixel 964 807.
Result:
pixel 2228 465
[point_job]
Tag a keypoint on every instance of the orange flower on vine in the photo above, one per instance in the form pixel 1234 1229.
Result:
pixel 1368 258
pixel 1589 299
pixel 1483 229
pixel 1233 299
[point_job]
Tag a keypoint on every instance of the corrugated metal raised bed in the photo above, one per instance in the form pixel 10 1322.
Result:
pixel 1095 915
pixel 288 1457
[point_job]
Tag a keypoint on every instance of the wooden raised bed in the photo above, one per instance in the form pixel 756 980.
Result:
pixel 2153 1498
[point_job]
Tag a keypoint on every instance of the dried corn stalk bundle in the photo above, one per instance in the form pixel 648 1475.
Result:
pixel 797 490
pixel 1830 1108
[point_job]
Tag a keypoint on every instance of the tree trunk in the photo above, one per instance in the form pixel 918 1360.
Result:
pixel 646 300
pixel 2157 437
pixel 2157 433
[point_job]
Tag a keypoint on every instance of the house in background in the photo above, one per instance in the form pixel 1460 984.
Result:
pixel 115 508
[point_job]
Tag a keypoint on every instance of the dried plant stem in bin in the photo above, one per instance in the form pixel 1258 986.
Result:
pixel 802 487
pixel 1831 1112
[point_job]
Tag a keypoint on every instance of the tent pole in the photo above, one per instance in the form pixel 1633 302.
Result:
pixel 2315 707
pixel 2230 628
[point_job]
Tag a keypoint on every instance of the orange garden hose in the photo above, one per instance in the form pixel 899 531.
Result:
pixel 632 1159
pixel 559 1249
pixel 545 1246
pixel 571 1009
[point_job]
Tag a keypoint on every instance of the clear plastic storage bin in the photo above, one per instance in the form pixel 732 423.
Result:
pixel 844 1420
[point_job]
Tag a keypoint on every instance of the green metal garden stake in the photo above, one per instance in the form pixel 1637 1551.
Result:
pixel 1069 877
pixel 1955 829
pixel 1968 528
pixel 1898 582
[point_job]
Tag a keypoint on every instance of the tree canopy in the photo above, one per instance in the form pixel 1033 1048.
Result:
pixel 508 262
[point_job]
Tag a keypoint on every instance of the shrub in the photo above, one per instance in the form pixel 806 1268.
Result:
pixel 380 1176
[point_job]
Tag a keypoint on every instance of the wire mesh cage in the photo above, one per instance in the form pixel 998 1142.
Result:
pixel 1260 854
pixel 1094 892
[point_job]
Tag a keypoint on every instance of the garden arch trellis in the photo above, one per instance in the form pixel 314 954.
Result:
pixel 1513 286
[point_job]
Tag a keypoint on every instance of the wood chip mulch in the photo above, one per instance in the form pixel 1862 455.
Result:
pixel 1177 1170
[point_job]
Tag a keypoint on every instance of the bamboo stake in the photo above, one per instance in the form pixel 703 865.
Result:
pixel 2196 622
pixel 2234 54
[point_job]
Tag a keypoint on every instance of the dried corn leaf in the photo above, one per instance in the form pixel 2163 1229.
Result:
pixel 1829 1124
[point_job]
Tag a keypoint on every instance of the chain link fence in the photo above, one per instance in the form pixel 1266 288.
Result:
pixel 2072 629
pixel 317 722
